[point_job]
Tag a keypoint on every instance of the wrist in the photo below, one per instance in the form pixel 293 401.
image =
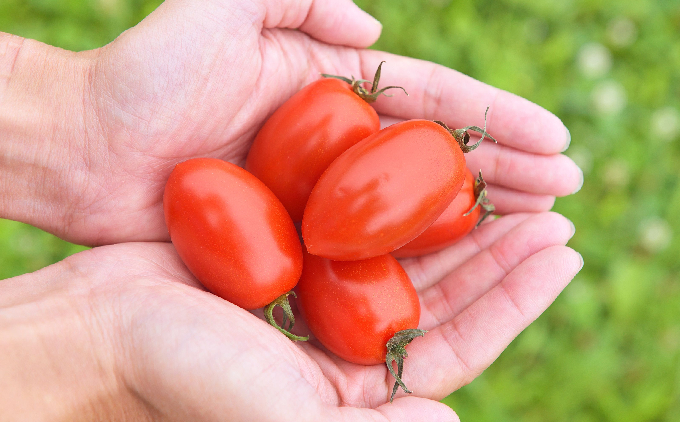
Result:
pixel 42 131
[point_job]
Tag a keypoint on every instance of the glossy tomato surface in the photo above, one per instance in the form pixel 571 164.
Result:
pixel 231 231
pixel 451 226
pixel 304 135
pixel 354 307
pixel 383 192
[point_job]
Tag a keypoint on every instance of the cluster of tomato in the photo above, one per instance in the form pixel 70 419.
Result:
pixel 361 196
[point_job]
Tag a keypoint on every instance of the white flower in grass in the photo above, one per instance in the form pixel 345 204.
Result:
pixel 594 60
pixel 655 234
pixel 666 124
pixel 609 97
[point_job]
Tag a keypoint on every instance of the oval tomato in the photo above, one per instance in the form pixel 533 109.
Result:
pixel 383 192
pixel 354 307
pixel 304 135
pixel 459 218
pixel 231 231
pixel 357 308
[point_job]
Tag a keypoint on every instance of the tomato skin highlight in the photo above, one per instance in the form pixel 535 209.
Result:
pixel 232 233
pixel 304 135
pixel 354 307
pixel 449 227
pixel 383 192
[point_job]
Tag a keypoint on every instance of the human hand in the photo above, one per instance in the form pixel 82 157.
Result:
pixel 199 79
pixel 124 331
pixel 153 98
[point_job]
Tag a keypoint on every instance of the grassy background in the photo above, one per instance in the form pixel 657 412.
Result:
pixel 609 348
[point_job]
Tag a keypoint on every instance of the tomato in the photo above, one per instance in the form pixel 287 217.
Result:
pixel 304 135
pixel 231 231
pixel 383 192
pixel 386 190
pixel 459 218
pixel 354 308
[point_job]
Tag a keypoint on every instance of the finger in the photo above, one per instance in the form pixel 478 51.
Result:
pixel 339 22
pixel 404 409
pixel 427 270
pixel 444 300
pixel 475 338
pixel 439 93
pixel 555 175
pixel 510 201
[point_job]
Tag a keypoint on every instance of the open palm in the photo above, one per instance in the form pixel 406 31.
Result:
pixel 184 354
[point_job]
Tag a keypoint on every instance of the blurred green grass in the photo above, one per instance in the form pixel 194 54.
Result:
pixel 609 348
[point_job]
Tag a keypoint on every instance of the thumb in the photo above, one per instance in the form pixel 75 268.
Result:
pixel 339 22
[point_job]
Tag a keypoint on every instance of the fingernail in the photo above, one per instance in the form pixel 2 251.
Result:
pixel 377 22
pixel 580 185
pixel 573 228
pixel 566 145
pixel 582 261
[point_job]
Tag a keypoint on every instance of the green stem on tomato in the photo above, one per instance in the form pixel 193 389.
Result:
pixel 463 137
pixel 396 351
pixel 481 200
pixel 288 316
pixel 366 95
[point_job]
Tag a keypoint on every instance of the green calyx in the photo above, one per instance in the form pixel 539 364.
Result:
pixel 357 86
pixel 462 136
pixel 288 317
pixel 396 351
pixel 482 200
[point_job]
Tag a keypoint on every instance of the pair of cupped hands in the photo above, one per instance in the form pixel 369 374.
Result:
pixel 124 331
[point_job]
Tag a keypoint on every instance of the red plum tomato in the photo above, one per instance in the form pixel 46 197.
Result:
pixel 384 191
pixel 304 135
pixel 232 232
pixel 354 307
